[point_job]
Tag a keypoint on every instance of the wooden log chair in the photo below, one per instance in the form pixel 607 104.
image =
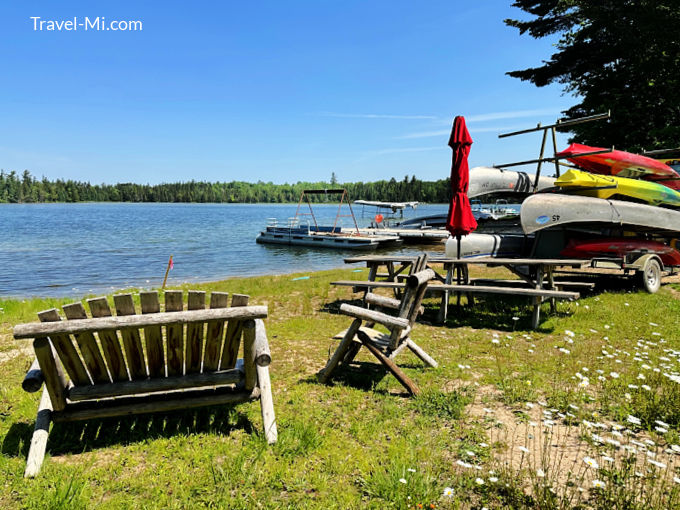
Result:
pixel 104 365
pixel 384 346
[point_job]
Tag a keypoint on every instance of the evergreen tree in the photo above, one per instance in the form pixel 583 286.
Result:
pixel 618 55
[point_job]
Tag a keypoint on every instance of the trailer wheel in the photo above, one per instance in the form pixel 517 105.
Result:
pixel 650 276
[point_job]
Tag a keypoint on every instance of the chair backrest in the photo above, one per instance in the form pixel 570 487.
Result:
pixel 102 348
pixel 409 308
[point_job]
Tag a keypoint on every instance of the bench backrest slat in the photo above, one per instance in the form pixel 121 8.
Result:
pixel 194 343
pixel 233 336
pixel 110 342
pixel 89 349
pixel 174 334
pixel 215 334
pixel 132 343
pixel 153 336
pixel 67 352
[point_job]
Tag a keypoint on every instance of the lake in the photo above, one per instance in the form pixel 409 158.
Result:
pixel 97 248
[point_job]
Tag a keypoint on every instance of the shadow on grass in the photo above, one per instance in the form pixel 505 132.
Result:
pixel 84 436
pixel 17 440
pixel 334 306
pixel 509 314
pixel 361 375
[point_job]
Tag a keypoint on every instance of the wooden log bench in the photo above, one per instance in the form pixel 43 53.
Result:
pixel 130 363
pixel 537 295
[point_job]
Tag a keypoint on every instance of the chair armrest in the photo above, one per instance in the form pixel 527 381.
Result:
pixel 375 299
pixel 385 302
pixel 371 315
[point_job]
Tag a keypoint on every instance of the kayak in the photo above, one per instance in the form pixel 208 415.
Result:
pixel 606 186
pixel 621 164
pixel 544 211
pixel 619 247
pixel 487 182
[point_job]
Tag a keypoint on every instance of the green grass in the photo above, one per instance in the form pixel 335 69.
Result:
pixel 360 442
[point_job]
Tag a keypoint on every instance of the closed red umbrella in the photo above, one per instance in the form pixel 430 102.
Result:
pixel 460 220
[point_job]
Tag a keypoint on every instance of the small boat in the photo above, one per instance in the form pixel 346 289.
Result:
pixel 620 247
pixel 311 234
pixel 554 210
pixel 606 186
pixel 486 181
pixel 489 245
pixel 322 237
pixel 432 221
pixel 621 164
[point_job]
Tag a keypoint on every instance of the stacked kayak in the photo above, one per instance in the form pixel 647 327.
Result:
pixel 619 247
pixel 605 186
pixel 621 164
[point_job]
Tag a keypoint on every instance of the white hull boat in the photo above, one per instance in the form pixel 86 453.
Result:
pixel 324 237
pixel 488 245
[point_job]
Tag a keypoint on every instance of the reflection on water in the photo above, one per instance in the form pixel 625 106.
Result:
pixel 79 249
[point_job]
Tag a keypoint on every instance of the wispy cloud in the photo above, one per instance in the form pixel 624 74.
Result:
pixel 375 116
pixel 381 152
pixel 447 132
pixel 426 134
pixel 517 114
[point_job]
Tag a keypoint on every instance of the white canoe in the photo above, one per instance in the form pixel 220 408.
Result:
pixel 488 245
pixel 544 211
pixel 485 181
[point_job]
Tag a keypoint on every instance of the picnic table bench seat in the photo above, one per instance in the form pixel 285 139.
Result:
pixel 104 365
pixel 537 295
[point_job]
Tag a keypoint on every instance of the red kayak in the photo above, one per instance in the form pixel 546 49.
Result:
pixel 619 247
pixel 621 164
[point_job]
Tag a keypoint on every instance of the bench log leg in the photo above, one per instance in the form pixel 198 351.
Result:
pixel 36 452
pixel 340 352
pixel 267 404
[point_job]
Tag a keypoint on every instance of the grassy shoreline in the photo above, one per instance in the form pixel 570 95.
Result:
pixel 359 442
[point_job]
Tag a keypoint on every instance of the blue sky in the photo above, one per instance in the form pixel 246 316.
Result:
pixel 271 91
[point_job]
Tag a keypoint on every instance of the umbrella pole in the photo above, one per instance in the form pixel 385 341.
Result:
pixel 458 270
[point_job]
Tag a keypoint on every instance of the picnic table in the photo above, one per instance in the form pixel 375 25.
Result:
pixel 536 277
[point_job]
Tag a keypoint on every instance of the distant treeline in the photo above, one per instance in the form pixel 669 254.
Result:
pixel 25 188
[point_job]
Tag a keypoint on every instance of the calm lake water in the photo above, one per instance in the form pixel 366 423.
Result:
pixel 97 248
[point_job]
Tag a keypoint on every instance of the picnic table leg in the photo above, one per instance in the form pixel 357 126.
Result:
pixel 444 306
pixel 551 284
pixel 537 312
pixel 466 281
pixel 537 300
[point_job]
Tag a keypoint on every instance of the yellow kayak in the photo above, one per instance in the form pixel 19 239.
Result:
pixel 606 186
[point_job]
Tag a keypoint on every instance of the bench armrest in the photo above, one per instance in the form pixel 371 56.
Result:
pixel 263 356
pixel 34 379
pixel 371 315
